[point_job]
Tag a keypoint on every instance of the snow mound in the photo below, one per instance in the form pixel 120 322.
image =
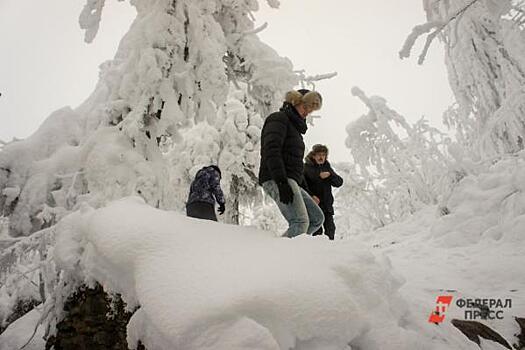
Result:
pixel 488 207
pixel 205 285
pixel 475 251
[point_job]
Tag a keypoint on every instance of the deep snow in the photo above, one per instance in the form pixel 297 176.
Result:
pixel 207 285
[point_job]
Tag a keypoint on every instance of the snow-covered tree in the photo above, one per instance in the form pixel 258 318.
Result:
pixel 239 127
pixel 400 166
pixel 485 58
pixel 361 206
pixel 166 84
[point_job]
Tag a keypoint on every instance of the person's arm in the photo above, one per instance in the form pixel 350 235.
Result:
pixel 335 180
pixel 272 140
pixel 215 186
pixel 311 173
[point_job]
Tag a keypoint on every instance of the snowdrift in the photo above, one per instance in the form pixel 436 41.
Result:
pixel 475 251
pixel 205 285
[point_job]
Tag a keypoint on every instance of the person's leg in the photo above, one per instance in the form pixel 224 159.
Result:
pixel 318 232
pixel 315 214
pixel 295 213
pixel 201 210
pixel 329 226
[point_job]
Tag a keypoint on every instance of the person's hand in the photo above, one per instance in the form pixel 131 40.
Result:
pixel 325 174
pixel 222 208
pixel 285 192
pixel 316 200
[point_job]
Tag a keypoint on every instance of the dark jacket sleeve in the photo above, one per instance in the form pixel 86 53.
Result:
pixel 215 186
pixel 272 137
pixel 335 180
pixel 311 173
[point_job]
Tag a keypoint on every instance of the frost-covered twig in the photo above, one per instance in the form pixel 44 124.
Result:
pixel 250 173
pixel 257 30
pixel 72 186
pixel 311 79
pixel 427 27
pixel 417 31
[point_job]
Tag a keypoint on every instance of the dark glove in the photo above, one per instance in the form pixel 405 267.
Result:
pixel 221 208
pixel 285 192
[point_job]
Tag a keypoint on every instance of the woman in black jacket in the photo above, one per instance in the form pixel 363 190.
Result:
pixel 320 178
pixel 281 169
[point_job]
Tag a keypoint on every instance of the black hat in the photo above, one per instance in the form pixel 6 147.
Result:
pixel 303 91
pixel 216 168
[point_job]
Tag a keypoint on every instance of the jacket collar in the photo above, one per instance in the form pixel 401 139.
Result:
pixel 297 121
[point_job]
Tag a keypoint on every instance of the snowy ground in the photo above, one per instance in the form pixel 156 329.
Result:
pixel 206 285
pixel 475 252
pixel 430 269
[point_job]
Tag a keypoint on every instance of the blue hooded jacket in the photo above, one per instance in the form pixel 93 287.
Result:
pixel 206 186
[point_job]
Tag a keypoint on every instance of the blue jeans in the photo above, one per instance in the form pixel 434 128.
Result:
pixel 303 214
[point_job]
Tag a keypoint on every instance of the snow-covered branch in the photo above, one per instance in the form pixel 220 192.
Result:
pixel 319 77
pixel 257 30
pixel 89 19
pixel 310 80
pixel 403 163
pixel 417 31
pixel 421 29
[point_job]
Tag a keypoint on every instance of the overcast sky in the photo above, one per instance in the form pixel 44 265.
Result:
pixel 45 64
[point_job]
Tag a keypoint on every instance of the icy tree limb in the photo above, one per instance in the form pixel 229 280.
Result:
pixel 417 31
pixel 357 92
pixel 427 27
pixel 320 77
pixel 429 40
pixel 257 30
pixel 311 79
pixel 89 19
pixel 250 173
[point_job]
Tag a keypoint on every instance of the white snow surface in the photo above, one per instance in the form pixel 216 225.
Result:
pixel 474 252
pixel 206 285
pixel 19 333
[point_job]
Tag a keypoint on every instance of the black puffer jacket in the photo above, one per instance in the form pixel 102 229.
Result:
pixel 322 188
pixel 282 146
